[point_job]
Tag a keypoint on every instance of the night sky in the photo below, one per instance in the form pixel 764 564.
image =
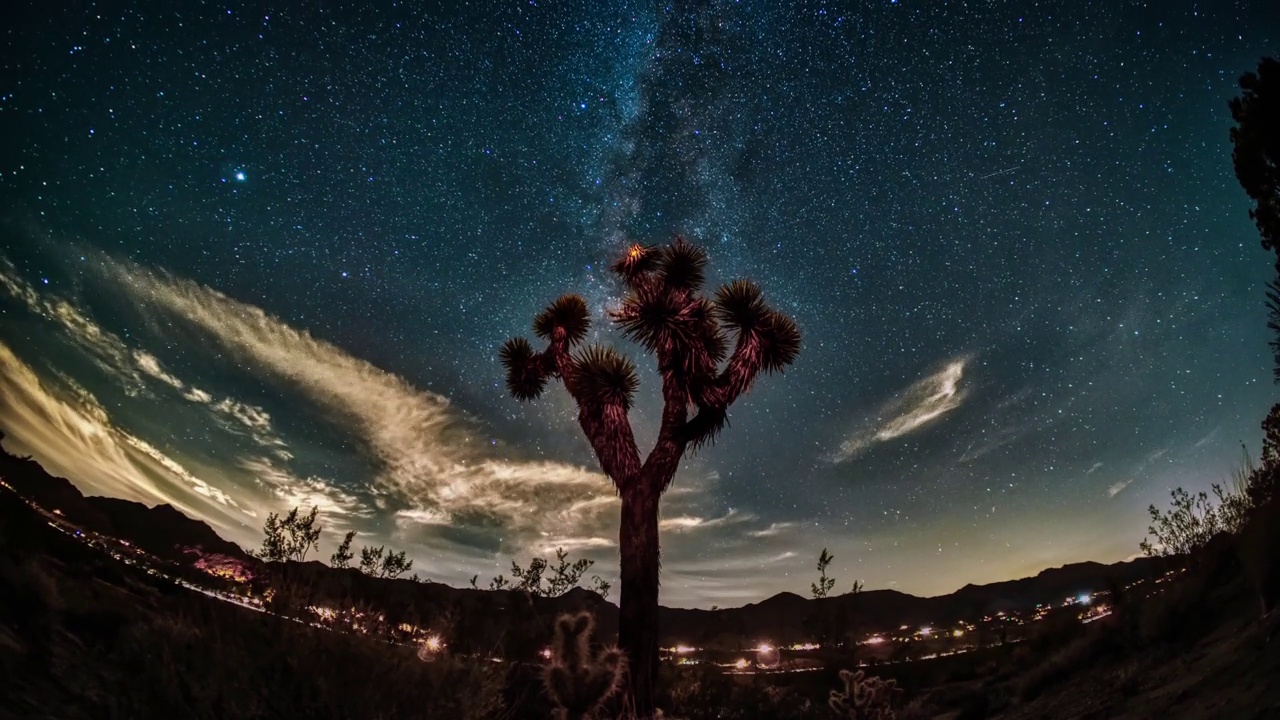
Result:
pixel 259 255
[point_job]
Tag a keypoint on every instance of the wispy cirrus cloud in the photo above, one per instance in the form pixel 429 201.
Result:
pixel 1117 488
pixel 131 366
pixel 431 456
pixel 73 436
pixel 338 505
pixel 921 404
pixel 687 523
pixel 774 529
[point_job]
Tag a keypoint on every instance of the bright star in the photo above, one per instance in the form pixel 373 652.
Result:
pixel 240 175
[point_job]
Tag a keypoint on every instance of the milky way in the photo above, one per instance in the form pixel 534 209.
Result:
pixel 255 256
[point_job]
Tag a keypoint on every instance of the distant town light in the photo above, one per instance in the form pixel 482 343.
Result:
pixel 1084 599
pixel 741 664
pixel 926 631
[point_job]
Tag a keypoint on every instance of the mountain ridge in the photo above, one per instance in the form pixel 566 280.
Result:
pixel 166 532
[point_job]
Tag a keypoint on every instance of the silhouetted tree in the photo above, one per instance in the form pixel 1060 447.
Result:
pixel 377 562
pixel 1256 157
pixel 563 577
pixel 1193 519
pixel 342 557
pixel 529 579
pixel 600 586
pixel 824 584
pixel 394 565
pixel 666 313
pixel 1256 148
pixel 371 558
pixel 290 538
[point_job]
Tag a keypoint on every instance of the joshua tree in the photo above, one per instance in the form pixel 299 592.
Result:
pixel 665 312
pixel 577 680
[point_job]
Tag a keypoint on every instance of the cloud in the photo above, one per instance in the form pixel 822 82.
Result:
pixel 336 505
pixel 685 523
pixel 196 395
pixel 922 403
pixel 129 366
pixel 1119 487
pixel 72 435
pixel 150 364
pixel 106 350
pixel 253 419
pixel 773 529
pixel 1093 468
pixel 431 457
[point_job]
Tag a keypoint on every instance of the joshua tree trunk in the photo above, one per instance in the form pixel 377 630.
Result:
pixel 689 334
pixel 638 608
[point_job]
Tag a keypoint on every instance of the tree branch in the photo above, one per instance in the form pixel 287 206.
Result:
pixel 606 425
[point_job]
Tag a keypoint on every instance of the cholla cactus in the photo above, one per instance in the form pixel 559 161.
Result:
pixel 577 680
pixel 865 698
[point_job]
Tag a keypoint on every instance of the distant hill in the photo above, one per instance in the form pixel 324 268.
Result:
pixel 165 532
pixel 161 530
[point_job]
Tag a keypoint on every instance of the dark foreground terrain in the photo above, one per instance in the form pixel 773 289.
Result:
pixel 84 635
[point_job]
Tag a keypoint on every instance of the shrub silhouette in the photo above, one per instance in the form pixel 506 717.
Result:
pixel 290 538
pixel 665 312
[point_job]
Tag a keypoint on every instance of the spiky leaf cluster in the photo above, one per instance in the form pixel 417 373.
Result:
pixel 606 376
pixel 865 697
pixel 579 681
pixel 525 377
pixel 664 311
pixel 568 313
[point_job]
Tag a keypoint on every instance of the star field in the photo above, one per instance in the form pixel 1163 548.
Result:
pixel 277 247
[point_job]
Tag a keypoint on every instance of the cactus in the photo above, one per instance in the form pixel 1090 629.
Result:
pixel 577 680
pixel 865 698
pixel 709 349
